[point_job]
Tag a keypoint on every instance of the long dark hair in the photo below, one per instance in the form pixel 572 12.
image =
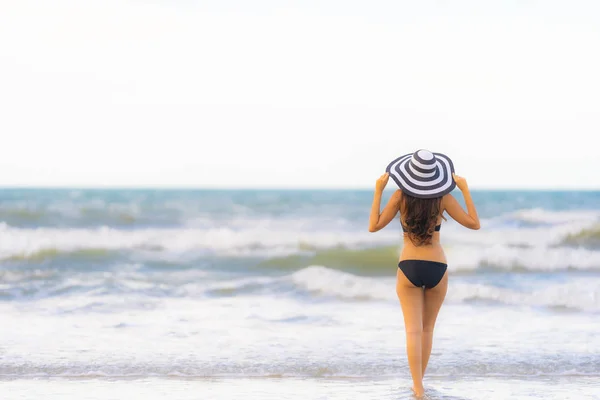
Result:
pixel 420 217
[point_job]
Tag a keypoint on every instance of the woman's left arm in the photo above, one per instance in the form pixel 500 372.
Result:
pixel 379 221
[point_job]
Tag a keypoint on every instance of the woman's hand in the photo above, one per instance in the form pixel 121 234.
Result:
pixel 381 182
pixel 460 182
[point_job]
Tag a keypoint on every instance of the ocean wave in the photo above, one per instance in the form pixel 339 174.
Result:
pixel 53 253
pixel 70 214
pixel 263 250
pixel 323 281
pixel 295 243
pixel 588 237
pixel 104 289
pixel 581 294
pixel 258 241
pixel 548 217
pixel 578 295
pixel 312 282
pixel 462 259
pixel 370 261
pixel 471 259
pixel 138 208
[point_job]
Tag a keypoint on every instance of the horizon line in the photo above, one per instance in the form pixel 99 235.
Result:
pixel 281 188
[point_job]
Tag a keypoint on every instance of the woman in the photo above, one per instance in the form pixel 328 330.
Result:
pixel 425 180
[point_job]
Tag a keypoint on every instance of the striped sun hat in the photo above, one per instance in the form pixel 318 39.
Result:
pixel 423 174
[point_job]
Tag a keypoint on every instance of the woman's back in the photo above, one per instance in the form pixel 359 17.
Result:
pixel 426 246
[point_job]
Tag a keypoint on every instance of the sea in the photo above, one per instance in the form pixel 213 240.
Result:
pixel 285 294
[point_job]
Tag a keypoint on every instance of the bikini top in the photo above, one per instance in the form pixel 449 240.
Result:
pixel 437 227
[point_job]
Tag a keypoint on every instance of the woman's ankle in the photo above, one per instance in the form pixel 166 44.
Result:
pixel 419 390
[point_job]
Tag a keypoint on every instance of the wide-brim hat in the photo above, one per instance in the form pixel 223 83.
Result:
pixel 423 174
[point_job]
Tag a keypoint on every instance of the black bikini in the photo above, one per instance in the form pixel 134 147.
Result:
pixel 437 228
pixel 423 273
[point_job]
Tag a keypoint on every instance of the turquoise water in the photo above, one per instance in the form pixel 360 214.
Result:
pixel 232 292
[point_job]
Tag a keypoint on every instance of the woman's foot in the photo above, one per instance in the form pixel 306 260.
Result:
pixel 419 392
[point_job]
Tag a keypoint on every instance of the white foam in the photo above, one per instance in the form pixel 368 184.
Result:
pixel 329 282
pixel 501 246
pixel 538 258
pixel 223 240
pixel 491 234
pixel 539 215
pixel 580 294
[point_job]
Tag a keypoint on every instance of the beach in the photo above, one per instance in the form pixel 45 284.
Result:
pixel 284 294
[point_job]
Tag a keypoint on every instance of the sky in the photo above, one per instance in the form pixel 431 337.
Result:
pixel 297 94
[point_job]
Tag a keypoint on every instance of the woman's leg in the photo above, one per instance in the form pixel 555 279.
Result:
pixel 411 300
pixel 434 298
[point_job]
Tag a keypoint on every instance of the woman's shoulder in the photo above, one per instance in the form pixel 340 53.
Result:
pixel 447 197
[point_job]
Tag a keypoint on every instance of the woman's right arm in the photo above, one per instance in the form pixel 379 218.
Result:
pixel 469 219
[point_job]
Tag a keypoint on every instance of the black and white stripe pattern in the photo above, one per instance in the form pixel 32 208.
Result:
pixel 423 174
